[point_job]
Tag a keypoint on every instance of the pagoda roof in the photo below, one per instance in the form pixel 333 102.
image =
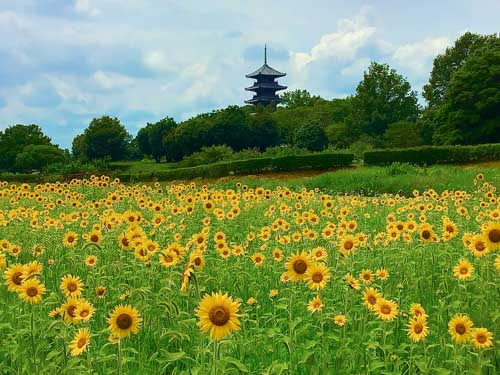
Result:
pixel 260 99
pixel 265 85
pixel 265 70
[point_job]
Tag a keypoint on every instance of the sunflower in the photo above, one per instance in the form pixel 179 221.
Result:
pixel 426 232
pixel 258 259
pixel 251 301
pixel 297 266
pixel 352 282
pixel 100 291
pixel 273 293
pixel 31 291
pixel 84 311
pixel 366 276
pixel 340 320
pixel 477 246
pixel 70 239
pixel 168 258
pixel 14 277
pixel 371 297
pixel 491 234
pixel 91 261
pixel 317 276
pixel 32 269
pixel 497 263
pixel 460 327
pixel 463 270
pixel 416 310
pixel 71 286
pixel 348 245
pixel 218 315
pixel 481 338
pixel 417 329
pixel 277 255
pixel 3 261
pixel 69 311
pixel 315 305
pixel 95 237
pixel 80 342
pixel 124 320
pixel 386 309
pixel 382 274
pixel 197 259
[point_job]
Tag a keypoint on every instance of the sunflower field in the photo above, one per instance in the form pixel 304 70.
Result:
pixel 101 277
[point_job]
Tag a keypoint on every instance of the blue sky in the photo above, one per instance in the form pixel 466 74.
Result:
pixel 63 62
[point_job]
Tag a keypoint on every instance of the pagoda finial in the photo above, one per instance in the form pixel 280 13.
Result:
pixel 265 54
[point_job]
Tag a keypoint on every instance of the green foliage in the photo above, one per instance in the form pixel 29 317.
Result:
pixel 37 157
pixel 299 98
pixel 446 64
pixel 311 136
pixel 14 139
pixel 105 136
pixel 402 134
pixel 207 155
pixel 434 155
pixel 470 113
pixel 382 97
pixel 150 139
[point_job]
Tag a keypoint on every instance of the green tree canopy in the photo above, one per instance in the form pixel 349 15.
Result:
pixel 15 138
pixel 470 112
pixel 402 134
pixel 299 98
pixel 150 139
pixel 446 64
pixel 382 97
pixel 106 137
pixel 38 157
pixel 311 136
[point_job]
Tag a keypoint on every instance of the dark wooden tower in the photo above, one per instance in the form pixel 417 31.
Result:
pixel 265 86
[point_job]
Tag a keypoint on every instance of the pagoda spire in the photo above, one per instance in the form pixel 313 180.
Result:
pixel 265 85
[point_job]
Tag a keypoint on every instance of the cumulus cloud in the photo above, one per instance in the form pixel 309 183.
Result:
pixel 418 56
pixel 84 6
pixel 111 80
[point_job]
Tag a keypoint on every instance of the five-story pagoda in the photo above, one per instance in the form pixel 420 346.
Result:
pixel 265 86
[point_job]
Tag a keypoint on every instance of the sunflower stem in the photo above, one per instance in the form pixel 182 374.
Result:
pixel 119 359
pixel 216 350
pixel 33 341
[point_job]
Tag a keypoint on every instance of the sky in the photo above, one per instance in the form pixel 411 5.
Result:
pixel 64 62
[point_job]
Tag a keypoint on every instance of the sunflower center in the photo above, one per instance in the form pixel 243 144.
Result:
pixel 385 309
pixel 94 238
pixel 480 338
pixel 71 311
pixel 460 328
pixel 100 292
pixel 17 278
pixel 317 277
pixel 464 270
pixel 494 235
pixel 72 287
pixel 124 321
pixel 418 328
pixel 480 246
pixel 372 300
pixel 84 313
pixel 366 276
pixel 219 315
pixel 348 245
pixel 71 239
pixel 32 291
pixel 426 234
pixel 81 342
pixel 299 266
pixel 449 229
pixel 197 261
pixel 125 242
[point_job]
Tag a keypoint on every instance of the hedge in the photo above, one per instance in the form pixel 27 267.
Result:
pixel 319 161
pixel 428 155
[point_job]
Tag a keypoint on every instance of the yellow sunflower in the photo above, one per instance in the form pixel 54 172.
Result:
pixel 386 309
pixel 366 276
pixel 31 291
pixel 348 245
pixel 491 234
pixel 371 297
pixel 460 327
pixel 417 329
pixel 340 319
pixel 416 310
pixel 84 311
pixel 80 342
pixel 124 320
pixel 463 270
pixel 69 311
pixel 315 305
pixel 481 338
pixel 382 274
pixel 14 277
pixel 100 291
pixel 317 276
pixel 258 259
pixel 71 286
pixel 218 315
pixel 297 266
pixel 70 239
pixel 91 261
pixel 477 246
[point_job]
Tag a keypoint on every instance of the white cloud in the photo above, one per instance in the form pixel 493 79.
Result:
pixel 111 80
pixel 159 61
pixel 343 44
pixel 417 56
pixel 84 6
pixel 356 69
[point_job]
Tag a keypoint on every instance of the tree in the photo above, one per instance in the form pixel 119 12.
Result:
pixel 106 137
pixel 263 131
pixel 150 139
pixel 470 112
pixel 402 134
pixel 311 136
pixel 79 147
pixel 15 138
pixel 38 157
pixel 382 97
pixel 446 64
pixel 299 98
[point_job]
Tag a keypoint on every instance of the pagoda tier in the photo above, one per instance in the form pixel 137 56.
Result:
pixel 265 86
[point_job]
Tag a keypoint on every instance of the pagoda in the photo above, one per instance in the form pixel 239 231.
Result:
pixel 265 86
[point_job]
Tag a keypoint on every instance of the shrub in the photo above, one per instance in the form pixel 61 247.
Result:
pixel 428 155
pixel 207 155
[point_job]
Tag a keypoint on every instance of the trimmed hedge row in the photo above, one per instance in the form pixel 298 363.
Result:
pixel 249 166
pixel 434 155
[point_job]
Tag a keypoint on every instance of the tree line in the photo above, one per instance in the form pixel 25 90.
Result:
pixel 462 107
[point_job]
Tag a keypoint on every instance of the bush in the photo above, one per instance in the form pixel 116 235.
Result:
pixel 428 155
pixel 207 155
pixel 318 161
pixel 37 157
